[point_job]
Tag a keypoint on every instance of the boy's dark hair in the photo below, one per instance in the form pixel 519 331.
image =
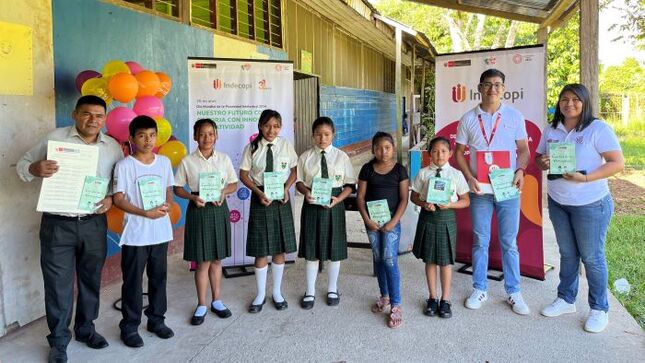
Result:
pixel 438 139
pixel 320 121
pixel 265 116
pixel 141 123
pixel 201 122
pixel 492 72
pixel 91 100
pixel 583 95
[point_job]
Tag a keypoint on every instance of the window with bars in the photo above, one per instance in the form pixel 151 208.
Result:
pixel 166 7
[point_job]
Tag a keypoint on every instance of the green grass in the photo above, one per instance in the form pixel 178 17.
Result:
pixel 632 141
pixel 626 259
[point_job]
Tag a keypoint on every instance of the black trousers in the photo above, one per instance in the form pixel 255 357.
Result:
pixel 71 248
pixel 133 261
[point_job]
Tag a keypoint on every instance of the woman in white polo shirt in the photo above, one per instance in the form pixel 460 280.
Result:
pixel 580 205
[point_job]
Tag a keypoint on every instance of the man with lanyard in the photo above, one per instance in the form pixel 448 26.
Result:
pixel 496 136
pixel 73 245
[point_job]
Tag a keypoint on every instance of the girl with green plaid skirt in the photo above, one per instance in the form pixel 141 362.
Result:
pixel 270 229
pixel 207 233
pixel 436 237
pixel 326 178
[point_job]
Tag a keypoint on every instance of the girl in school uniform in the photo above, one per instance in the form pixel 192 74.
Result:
pixel 270 229
pixel 323 234
pixel 207 233
pixel 435 240
pixel 385 179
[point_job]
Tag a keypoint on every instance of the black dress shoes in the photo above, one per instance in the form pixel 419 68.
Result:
pixel 444 309
pixel 94 340
pixel 132 340
pixel 223 314
pixel 432 306
pixel 307 304
pixel 57 354
pixel 161 330
pixel 280 305
pixel 197 320
pixel 333 298
pixel 256 308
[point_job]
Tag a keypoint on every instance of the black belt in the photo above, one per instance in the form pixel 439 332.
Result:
pixel 65 218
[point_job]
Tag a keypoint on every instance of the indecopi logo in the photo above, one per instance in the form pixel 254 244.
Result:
pixel 458 93
pixel 217 84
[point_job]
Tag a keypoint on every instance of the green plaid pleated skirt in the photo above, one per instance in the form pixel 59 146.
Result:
pixel 323 235
pixel 436 238
pixel 270 229
pixel 207 233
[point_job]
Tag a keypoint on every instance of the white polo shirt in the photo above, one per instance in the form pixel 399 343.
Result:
pixel 595 139
pixel 284 158
pixel 191 165
pixel 511 128
pixel 339 167
pixel 459 184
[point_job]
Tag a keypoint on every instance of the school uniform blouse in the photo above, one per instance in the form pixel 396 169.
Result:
pixel 195 163
pixel 284 158
pixel 339 167
pixel 596 138
pixel 458 181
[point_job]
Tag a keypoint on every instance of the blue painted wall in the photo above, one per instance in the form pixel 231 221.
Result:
pixel 89 33
pixel 358 114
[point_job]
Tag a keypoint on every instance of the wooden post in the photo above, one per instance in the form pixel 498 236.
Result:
pixel 413 66
pixel 422 99
pixel 589 49
pixel 398 94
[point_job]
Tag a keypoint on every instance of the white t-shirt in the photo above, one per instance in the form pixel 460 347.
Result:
pixel 284 158
pixel 138 230
pixel 459 184
pixel 510 129
pixel 191 165
pixel 339 167
pixel 595 139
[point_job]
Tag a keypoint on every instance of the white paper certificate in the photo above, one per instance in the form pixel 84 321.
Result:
pixel 61 192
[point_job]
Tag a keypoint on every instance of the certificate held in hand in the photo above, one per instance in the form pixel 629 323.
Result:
pixel 321 190
pixel 210 186
pixel 379 211
pixel 94 190
pixel 439 191
pixel 274 185
pixel 562 158
pixel 488 161
pixel 152 192
pixel 502 183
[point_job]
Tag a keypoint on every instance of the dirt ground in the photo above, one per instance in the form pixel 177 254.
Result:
pixel 628 191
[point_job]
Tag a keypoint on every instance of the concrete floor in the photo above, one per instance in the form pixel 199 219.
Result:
pixel 350 332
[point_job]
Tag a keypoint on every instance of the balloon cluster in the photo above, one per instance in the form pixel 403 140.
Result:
pixel 126 82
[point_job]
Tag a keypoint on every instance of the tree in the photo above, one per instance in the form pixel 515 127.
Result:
pixel 563 59
pixel 626 78
pixel 632 22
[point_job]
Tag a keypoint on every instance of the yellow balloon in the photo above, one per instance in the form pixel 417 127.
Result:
pixel 97 87
pixel 164 131
pixel 113 67
pixel 173 150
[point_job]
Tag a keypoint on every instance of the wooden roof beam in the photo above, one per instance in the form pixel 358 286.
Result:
pixel 536 16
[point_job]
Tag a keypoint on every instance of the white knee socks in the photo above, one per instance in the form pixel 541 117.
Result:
pixel 261 283
pixel 333 269
pixel 276 272
pixel 311 272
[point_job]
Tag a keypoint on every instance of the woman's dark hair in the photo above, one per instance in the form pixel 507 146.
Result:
pixel 437 140
pixel 265 116
pixel 322 121
pixel 201 122
pixel 587 115
pixel 492 72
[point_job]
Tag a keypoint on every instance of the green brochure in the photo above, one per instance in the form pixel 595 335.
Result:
pixel 94 190
pixel 502 182
pixel 274 185
pixel 562 157
pixel 379 211
pixel 321 190
pixel 210 186
pixel 152 192
pixel 439 191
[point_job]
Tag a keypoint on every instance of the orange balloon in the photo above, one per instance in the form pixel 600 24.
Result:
pixel 166 84
pixel 115 219
pixel 148 83
pixel 529 200
pixel 123 87
pixel 174 211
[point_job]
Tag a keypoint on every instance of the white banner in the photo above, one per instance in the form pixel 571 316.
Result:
pixel 233 93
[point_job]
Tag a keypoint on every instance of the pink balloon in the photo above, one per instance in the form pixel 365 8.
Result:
pixel 117 122
pixel 84 76
pixel 134 67
pixel 149 106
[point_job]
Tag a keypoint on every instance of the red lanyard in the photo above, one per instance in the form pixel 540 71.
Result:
pixel 492 133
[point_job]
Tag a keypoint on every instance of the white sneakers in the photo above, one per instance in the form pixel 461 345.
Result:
pixel 557 308
pixel 476 299
pixel 596 321
pixel 518 304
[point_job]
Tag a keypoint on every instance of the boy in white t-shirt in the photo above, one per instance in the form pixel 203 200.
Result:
pixel 144 179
